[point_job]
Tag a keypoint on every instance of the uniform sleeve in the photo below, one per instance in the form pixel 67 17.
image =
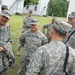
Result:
pixel 8 45
pixel 44 28
pixel 71 41
pixel 44 40
pixel 24 24
pixel 36 63
pixel 73 65
pixel 73 68
pixel 10 40
pixel 21 41
pixel 9 50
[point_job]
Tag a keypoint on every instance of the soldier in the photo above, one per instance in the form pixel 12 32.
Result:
pixel 69 19
pixel 49 59
pixel 26 21
pixel 71 38
pixel 6 53
pixel 46 28
pixel 4 7
pixel 30 41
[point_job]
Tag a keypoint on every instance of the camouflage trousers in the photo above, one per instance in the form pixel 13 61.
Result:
pixel 4 72
pixel 23 66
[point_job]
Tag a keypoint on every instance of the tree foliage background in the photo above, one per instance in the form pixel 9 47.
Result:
pixel 30 2
pixel 58 7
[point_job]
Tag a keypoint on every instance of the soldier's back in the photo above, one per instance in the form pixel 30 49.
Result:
pixel 51 59
pixel 55 53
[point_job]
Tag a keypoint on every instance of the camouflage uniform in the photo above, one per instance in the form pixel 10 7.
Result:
pixel 5 42
pixel 47 33
pixel 26 25
pixel 71 41
pixel 47 28
pixel 49 59
pixel 30 42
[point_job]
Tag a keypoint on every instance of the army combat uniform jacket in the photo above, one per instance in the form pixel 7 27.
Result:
pixel 46 30
pixel 31 41
pixel 5 41
pixel 49 60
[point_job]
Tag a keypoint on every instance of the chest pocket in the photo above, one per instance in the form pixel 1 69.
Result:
pixel 33 41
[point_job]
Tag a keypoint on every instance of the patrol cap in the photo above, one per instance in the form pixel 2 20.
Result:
pixel 34 22
pixel 30 11
pixel 72 15
pixel 62 26
pixel 54 18
pixel 69 15
pixel 6 13
pixel 4 6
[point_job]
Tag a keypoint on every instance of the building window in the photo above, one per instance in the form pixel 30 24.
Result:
pixel 35 8
pixel 27 7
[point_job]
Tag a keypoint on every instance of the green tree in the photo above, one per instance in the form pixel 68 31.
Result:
pixel 30 2
pixel 58 7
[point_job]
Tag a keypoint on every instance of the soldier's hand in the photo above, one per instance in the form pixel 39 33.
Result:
pixel 1 48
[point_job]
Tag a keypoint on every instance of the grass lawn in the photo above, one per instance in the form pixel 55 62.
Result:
pixel 16 27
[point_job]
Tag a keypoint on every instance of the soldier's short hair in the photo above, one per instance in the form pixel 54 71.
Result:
pixel 59 33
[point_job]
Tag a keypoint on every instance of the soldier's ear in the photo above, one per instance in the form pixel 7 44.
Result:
pixel 51 32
